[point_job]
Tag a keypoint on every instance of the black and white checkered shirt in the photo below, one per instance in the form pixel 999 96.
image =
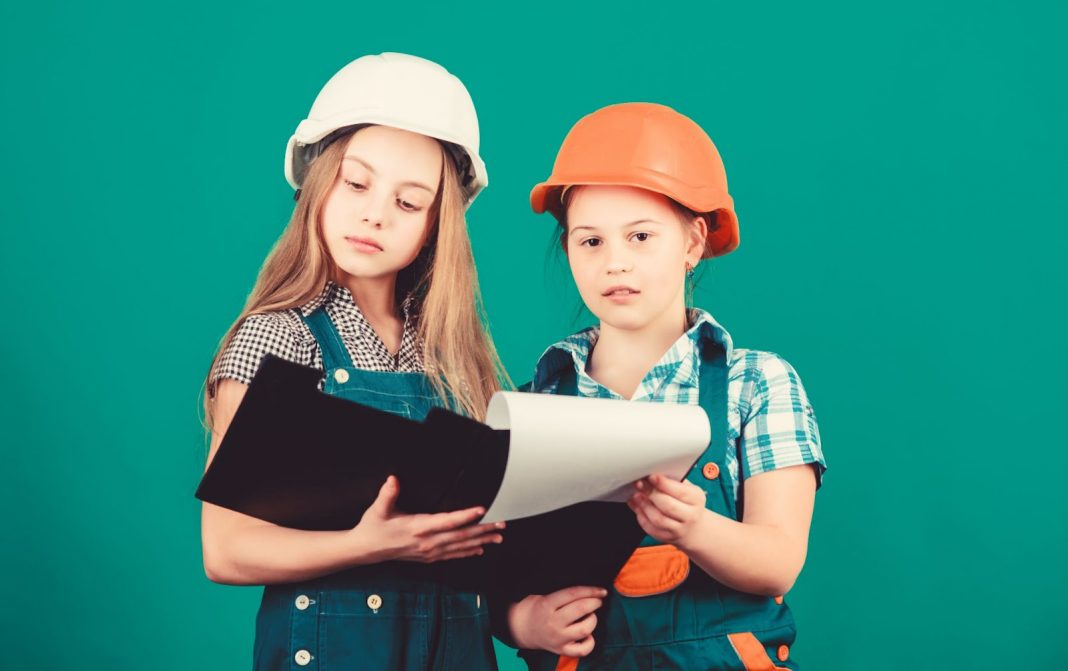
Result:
pixel 284 334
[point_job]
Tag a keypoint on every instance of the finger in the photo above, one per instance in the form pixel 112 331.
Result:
pixel 683 490
pixel 578 648
pixel 387 496
pixel 460 555
pixel 670 506
pixel 645 524
pixel 448 521
pixel 579 609
pixel 581 629
pixel 658 519
pixel 471 543
pixel 465 533
pixel 568 594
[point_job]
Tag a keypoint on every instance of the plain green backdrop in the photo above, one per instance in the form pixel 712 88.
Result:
pixel 900 175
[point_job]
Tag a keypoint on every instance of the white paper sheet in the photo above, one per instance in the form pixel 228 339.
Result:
pixel 566 449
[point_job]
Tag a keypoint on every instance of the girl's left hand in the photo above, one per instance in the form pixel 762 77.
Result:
pixel 668 510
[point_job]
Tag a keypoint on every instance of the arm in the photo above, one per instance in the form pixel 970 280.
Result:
pixel 243 550
pixel 762 554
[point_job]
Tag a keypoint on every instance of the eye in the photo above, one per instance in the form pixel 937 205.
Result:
pixel 590 242
pixel 406 206
pixel 640 236
pixel 356 186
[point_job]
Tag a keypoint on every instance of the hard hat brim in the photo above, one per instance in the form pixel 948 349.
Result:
pixel 544 198
pixel 310 132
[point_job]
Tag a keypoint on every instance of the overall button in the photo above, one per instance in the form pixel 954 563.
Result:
pixel 302 602
pixel 341 376
pixel 784 653
pixel 710 471
pixel 303 657
pixel 374 602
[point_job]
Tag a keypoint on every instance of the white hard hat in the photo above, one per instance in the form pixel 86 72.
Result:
pixel 395 90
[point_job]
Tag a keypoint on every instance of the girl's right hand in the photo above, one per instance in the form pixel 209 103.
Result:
pixel 387 535
pixel 561 622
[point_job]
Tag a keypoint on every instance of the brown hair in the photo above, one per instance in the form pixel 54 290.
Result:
pixel 458 353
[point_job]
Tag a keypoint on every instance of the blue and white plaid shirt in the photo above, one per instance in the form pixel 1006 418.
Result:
pixel 769 417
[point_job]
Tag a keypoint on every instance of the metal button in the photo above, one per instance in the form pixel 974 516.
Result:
pixel 374 602
pixel 303 657
pixel 302 602
pixel 478 601
pixel 341 376
pixel 784 653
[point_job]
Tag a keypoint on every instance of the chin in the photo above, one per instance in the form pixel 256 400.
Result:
pixel 363 272
pixel 622 322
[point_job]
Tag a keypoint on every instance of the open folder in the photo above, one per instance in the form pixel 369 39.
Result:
pixel 557 467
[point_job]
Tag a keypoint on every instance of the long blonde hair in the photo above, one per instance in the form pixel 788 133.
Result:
pixel 457 351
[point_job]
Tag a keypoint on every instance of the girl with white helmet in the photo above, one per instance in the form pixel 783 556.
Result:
pixel 373 282
pixel 640 196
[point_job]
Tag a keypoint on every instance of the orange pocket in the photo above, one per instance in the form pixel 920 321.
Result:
pixel 753 655
pixel 654 569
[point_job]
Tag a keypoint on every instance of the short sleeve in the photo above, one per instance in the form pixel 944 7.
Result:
pixel 277 333
pixel 779 430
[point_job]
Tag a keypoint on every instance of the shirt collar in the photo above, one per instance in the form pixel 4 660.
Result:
pixel 574 351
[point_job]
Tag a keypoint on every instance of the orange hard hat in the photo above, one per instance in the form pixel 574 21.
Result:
pixel 651 147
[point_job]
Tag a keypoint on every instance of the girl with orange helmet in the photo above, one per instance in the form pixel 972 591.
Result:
pixel 640 196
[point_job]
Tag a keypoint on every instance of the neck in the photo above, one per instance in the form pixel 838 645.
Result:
pixel 626 355
pixel 375 296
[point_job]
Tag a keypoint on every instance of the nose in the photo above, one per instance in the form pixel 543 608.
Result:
pixel 618 261
pixel 374 210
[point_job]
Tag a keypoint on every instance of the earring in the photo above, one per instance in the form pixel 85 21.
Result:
pixel 689 271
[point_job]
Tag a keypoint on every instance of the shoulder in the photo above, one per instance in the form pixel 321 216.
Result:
pixel 275 327
pixel 281 333
pixel 761 366
pixel 766 382
pixel 561 357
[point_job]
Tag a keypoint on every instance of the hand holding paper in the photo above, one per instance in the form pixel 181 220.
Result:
pixel 666 509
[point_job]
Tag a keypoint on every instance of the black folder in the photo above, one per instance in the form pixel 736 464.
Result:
pixel 300 458
pixel 303 459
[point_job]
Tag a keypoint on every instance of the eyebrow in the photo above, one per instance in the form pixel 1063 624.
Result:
pixel 626 225
pixel 370 169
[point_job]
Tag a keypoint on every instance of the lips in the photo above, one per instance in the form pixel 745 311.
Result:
pixel 364 244
pixel 620 291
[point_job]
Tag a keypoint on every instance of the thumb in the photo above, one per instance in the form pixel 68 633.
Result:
pixel 387 496
pixel 565 596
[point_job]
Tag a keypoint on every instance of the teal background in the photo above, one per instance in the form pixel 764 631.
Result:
pixel 900 175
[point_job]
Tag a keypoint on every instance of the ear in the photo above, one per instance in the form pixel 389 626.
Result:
pixel 698 234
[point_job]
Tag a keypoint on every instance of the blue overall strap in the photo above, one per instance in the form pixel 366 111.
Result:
pixel 713 398
pixel 334 353
pixel 567 384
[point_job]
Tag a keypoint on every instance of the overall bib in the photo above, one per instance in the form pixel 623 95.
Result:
pixel 665 614
pixel 391 615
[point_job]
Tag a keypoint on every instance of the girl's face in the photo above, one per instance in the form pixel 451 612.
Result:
pixel 628 249
pixel 376 217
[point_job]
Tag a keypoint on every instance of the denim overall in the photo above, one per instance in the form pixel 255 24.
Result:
pixel 391 615
pixel 665 614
